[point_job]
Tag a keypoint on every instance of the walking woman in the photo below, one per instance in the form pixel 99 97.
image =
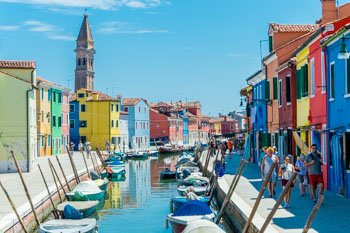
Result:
pixel 286 171
pixel 266 164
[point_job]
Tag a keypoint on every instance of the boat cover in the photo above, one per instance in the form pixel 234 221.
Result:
pixel 72 213
pixel 79 196
pixel 193 208
pixel 87 187
pixel 94 175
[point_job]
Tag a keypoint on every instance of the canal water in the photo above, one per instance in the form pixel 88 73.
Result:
pixel 141 203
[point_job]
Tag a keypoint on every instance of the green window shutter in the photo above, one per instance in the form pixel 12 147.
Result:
pixel 275 88
pixel 267 90
pixel 306 76
pixel 297 90
pixel 302 82
pixel 270 44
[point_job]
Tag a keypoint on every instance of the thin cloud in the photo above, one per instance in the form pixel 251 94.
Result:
pixel 116 27
pixel 38 26
pixel 9 27
pixel 61 37
pixel 95 4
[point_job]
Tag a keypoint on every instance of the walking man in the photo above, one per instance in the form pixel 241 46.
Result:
pixel 313 162
pixel 230 147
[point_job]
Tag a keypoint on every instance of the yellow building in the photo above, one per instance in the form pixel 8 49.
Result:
pixel 217 125
pixel 98 118
pixel 303 99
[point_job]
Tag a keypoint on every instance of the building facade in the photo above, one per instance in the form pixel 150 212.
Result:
pixel 124 131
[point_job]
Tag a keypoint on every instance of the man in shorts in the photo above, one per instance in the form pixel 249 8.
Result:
pixel 313 162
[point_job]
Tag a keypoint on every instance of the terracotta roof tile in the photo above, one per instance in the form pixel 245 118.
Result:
pixel 18 64
pixel 275 27
pixel 130 101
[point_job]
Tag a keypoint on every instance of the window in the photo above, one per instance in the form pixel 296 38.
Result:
pixel 83 139
pixel 117 107
pixel 270 43
pixel 323 77
pixel 331 76
pixel 136 125
pixel 275 88
pixel 53 120
pixel 72 124
pixel 49 95
pixel 312 77
pixel 126 109
pixel 59 97
pixel 42 116
pixel 139 109
pixel 67 118
pixel 267 90
pixel 288 89
pixel 112 107
pixel 112 124
pixel 145 109
pixel 71 108
pixel 48 117
pixel 302 82
pixel 49 140
pixel 79 62
pixel 82 108
pixel 347 78
pixel 84 61
pixel 81 95
pixel 59 121
pixel 54 96
pixel 42 93
pixel 83 124
pixel 116 124
pixel 280 92
pixel 42 141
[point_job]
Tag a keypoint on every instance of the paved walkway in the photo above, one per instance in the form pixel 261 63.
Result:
pixel 334 215
pixel 35 184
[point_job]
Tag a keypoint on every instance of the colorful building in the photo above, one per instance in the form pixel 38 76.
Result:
pixel 159 126
pixel 65 119
pixel 94 117
pixel 175 130
pixel 18 118
pixel 138 122
pixel 124 131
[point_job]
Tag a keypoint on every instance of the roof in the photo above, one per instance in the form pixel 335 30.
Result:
pixel 18 64
pixel 252 76
pixel 130 101
pixel 101 96
pixel 196 104
pixel 41 80
pixel 275 27
pixel 85 31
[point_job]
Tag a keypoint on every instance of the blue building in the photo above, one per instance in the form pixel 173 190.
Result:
pixel 138 122
pixel 338 113
pixel 74 123
pixel 258 112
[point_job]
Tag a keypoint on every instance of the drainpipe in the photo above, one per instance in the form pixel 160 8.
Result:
pixel 28 122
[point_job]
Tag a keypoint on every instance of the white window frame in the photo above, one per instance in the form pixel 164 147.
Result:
pixel 330 81
pixel 312 77
pixel 323 76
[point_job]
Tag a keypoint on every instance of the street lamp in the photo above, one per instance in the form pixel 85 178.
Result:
pixel 343 53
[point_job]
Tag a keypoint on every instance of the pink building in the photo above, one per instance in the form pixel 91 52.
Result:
pixel 65 120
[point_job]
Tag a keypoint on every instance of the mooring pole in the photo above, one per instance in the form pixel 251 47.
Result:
pixel 216 177
pixel 54 180
pixel 100 157
pixel 313 214
pixel 64 175
pixel 278 202
pixel 232 188
pixel 48 192
pixel 58 178
pixel 86 166
pixel 75 172
pixel 94 165
pixel 258 199
pixel 14 208
pixel 209 188
pixel 25 188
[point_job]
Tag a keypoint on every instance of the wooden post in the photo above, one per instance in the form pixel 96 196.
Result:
pixel 64 175
pixel 209 188
pixel 258 199
pixel 231 189
pixel 14 208
pixel 75 172
pixel 58 178
pixel 25 188
pixel 94 165
pixel 313 214
pixel 206 164
pixel 212 188
pixel 97 166
pixel 155 143
pixel 278 202
pixel 54 180
pixel 86 166
pixel 101 158
pixel 48 192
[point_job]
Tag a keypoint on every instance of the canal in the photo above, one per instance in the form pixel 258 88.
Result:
pixel 141 202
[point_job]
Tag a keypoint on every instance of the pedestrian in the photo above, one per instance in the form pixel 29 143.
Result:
pixel 80 146
pixel 313 162
pixel 262 154
pixel 229 147
pixel 88 149
pixel 107 146
pixel 286 172
pixel 266 164
pixel 302 177
pixel 223 149
pixel 275 152
pixel 72 145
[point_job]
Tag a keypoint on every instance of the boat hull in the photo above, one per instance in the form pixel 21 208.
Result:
pixel 92 197
pixel 86 212
pixel 69 226
pixel 167 175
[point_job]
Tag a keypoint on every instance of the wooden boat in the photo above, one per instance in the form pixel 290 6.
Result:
pixel 86 190
pixel 167 174
pixel 189 212
pixel 86 225
pixel 169 149
pixel 202 226
pixel 177 202
pixel 87 208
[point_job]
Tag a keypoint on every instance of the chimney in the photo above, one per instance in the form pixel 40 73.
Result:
pixel 329 11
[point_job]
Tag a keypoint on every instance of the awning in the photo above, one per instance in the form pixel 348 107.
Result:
pixel 304 149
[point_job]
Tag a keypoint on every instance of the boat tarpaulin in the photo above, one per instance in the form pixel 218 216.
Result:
pixel 193 208
pixel 304 149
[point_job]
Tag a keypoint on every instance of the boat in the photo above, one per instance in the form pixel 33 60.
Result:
pixel 202 226
pixel 102 183
pixel 115 163
pixel 86 225
pixel 185 163
pixel 114 172
pixel 198 184
pixel 177 202
pixel 166 149
pixel 189 212
pixel 86 190
pixel 137 155
pixel 153 153
pixel 86 208
pixel 183 172
pixel 167 174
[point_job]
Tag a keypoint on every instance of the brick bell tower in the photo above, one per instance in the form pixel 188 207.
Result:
pixel 84 71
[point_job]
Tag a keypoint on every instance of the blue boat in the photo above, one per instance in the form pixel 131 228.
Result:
pixel 177 202
pixel 86 208
pixel 114 172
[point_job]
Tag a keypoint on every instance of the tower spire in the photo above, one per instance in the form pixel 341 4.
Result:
pixel 84 71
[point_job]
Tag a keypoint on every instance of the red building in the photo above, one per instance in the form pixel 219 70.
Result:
pixel 159 126
pixel 228 126
pixel 175 130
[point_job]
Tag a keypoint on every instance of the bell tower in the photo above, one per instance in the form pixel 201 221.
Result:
pixel 84 71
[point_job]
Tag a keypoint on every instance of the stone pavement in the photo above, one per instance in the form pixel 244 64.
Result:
pixel 334 215
pixel 35 184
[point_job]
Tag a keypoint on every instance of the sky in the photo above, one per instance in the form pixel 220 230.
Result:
pixel 160 50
